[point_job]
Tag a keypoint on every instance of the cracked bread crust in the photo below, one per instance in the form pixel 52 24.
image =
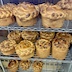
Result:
pixel 25 48
pixel 66 36
pixel 7 45
pixel 60 43
pixel 9 6
pixel 67 7
pixel 52 11
pixel 4 13
pixel 6 16
pixel 29 35
pixel 37 66
pixel 65 4
pixel 13 65
pixel 15 35
pixel 43 44
pixel 47 35
pixel 25 11
pixel 25 64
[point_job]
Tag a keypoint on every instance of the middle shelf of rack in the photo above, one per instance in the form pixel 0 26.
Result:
pixel 14 56
pixel 67 27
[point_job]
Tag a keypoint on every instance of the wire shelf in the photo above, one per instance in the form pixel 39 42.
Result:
pixel 47 67
pixel 67 27
pixel 43 70
pixel 48 59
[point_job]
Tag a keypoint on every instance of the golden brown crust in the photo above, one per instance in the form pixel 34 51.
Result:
pixel 47 35
pixel 13 65
pixel 7 45
pixel 60 43
pixel 9 6
pixel 52 11
pixel 25 11
pixel 65 4
pixel 60 47
pixel 7 21
pixel 25 48
pixel 29 35
pixel 43 44
pixel 15 35
pixel 43 48
pixel 4 13
pixel 37 66
pixel 64 35
pixel 25 64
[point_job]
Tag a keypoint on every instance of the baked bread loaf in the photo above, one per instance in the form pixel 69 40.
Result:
pixel 43 48
pixel 64 35
pixel 52 15
pixel 66 5
pixel 25 49
pixel 25 64
pixel 13 66
pixel 15 35
pixel 37 66
pixel 26 14
pixel 6 17
pixel 60 48
pixel 47 35
pixel 29 35
pixel 7 47
pixel 10 6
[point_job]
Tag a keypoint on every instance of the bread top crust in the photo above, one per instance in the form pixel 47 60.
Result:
pixel 43 44
pixel 7 45
pixel 4 13
pixel 65 4
pixel 12 64
pixel 25 44
pixel 38 64
pixel 63 34
pixel 29 35
pixel 66 36
pixel 52 11
pixel 25 47
pixel 60 43
pixel 9 6
pixel 25 64
pixel 26 11
pixel 14 35
pixel 47 34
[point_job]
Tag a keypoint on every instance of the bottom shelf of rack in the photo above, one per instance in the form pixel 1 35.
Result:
pixel 53 67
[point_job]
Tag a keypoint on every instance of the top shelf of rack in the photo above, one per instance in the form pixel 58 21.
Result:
pixel 67 27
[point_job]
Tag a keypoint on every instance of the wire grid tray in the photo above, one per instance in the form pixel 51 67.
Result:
pixel 67 27
pixel 47 67
pixel 48 59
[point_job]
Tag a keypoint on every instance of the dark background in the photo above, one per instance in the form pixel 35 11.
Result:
pixel 32 1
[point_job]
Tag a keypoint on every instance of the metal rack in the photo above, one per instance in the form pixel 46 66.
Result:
pixel 67 27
